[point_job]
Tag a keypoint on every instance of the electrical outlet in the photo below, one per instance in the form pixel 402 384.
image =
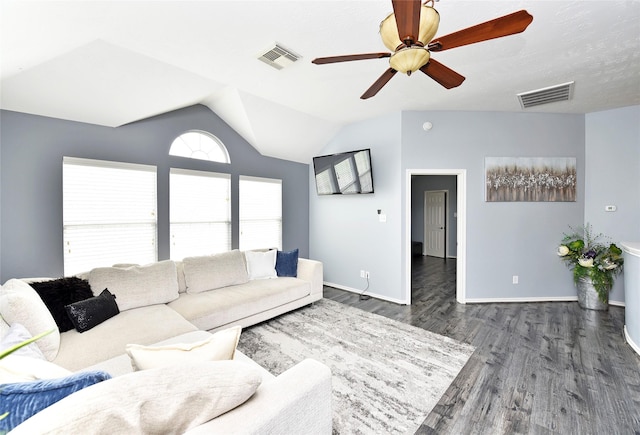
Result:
pixel 515 279
pixel 362 274
pixel 367 274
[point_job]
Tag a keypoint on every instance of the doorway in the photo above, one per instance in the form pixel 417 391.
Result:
pixel 459 223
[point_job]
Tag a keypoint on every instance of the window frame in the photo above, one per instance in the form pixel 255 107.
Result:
pixel 210 137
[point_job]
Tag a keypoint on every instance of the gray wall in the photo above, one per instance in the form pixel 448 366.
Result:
pixel 422 183
pixel 503 239
pixel 613 177
pixel 345 232
pixel 32 148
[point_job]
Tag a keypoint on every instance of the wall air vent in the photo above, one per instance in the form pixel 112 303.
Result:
pixel 278 57
pixel 562 92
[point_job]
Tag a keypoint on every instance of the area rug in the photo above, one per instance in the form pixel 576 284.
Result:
pixel 387 375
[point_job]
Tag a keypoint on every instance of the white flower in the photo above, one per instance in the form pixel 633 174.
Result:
pixel 563 250
pixel 585 262
pixel 608 265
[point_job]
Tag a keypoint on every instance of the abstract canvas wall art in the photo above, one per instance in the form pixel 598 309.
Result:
pixel 530 179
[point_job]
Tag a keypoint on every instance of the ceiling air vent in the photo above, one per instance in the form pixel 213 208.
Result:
pixel 278 57
pixel 562 92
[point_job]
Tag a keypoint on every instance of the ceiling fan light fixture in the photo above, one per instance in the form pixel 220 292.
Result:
pixel 409 60
pixel 429 22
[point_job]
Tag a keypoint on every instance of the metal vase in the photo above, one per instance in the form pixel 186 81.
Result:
pixel 588 296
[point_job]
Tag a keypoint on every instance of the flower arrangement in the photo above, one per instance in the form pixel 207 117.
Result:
pixel 589 258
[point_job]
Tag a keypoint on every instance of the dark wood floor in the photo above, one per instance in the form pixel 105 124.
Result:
pixel 538 368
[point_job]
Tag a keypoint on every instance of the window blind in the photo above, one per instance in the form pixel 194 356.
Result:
pixel 109 214
pixel 199 213
pixel 260 213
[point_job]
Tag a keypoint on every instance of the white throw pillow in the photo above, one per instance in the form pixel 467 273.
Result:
pixel 220 346
pixel 261 265
pixel 19 303
pixel 16 335
pixel 137 286
pixel 168 399
pixel 210 272
pixel 16 368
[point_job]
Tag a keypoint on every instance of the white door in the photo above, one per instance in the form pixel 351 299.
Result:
pixel 434 223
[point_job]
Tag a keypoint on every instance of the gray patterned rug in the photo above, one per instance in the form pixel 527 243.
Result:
pixel 387 375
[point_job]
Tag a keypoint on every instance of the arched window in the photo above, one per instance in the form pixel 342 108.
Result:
pixel 200 145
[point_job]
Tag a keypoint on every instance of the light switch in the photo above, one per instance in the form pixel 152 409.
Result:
pixel 610 208
pixel 383 217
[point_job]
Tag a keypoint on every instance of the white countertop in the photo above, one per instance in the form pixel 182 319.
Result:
pixel 632 248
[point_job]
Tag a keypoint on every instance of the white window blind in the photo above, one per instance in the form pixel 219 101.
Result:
pixel 346 175
pixel 109 214
pixel 364 172
pixel 260 213
pixel 324 182
pixel 199 213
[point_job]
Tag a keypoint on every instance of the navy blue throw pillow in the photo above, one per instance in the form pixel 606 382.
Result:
pixel 93 311
pixel 25 399
pixel 287 263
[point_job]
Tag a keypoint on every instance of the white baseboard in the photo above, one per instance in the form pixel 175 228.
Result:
pixel 537 299
pixel 359 291
pixel 633 345
pixel 473 300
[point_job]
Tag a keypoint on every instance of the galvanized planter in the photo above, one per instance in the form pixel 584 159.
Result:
pixel 588 296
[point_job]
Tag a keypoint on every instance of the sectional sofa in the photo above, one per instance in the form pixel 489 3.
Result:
pixel 190 305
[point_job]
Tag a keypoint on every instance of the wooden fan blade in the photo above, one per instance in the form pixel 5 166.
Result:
pixel 378 84
pixel 503 26
pixel 407 14
pixel 349 57
pixel 442 74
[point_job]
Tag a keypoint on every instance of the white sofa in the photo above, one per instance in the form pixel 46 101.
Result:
pixel 170 302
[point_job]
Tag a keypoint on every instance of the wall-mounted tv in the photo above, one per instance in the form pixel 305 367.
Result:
pixel 344 173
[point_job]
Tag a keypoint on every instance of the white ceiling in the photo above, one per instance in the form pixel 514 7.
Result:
pixel 115 62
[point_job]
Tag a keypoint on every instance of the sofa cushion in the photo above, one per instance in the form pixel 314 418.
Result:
pixel 261 265
pixel 174 398
pixel 287 263
pixel 93 311
pixel 212 309
pixel 17 368
pixel 19 303
pixel 57 293
pixel 137 286
pixel 25 399
pixel 211 272
pixel 220 346
pixel 144 325
pixel 17 334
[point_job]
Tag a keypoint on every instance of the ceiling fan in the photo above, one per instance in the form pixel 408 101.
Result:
pixel 409 32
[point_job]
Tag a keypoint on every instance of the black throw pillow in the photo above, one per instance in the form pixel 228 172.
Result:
pixel 60 292
pixel 93 311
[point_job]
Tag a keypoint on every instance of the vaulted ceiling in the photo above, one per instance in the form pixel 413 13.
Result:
pixel 115 62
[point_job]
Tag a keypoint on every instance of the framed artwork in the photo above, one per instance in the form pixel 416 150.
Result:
pixel 530 179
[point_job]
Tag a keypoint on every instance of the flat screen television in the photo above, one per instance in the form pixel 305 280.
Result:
pixel 344 173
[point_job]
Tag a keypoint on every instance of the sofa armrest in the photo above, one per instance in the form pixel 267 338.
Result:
pixel 311 270
pixel 297 401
